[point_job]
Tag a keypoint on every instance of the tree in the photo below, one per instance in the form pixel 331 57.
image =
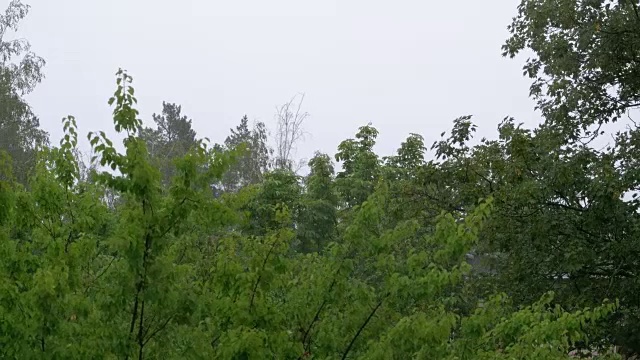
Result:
pixel 318 217
pixel 410 155
pixel 580 199
pixel 172 138
pixel 155 239
pixel 171 274
pixel 280 191
pixel 559 221
pixel 584 67
pixel 412 181
pixel 360 167
pixel 289 118
pixel 254 159
pixel 20 72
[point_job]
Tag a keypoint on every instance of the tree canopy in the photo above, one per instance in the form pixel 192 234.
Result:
pixel 521 246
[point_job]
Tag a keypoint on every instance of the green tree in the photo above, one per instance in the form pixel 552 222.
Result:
pixel 172 138
pixel 584 67
pixel 254 162
pixel 584 73
pixel 178 274
pixel 360 167
pixel 559 221
pixel 279 191
pixel 318 217
pixel 153 239
pixel 20 72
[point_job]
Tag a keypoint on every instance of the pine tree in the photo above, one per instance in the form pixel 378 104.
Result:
pixel 172 138
pixel 254 159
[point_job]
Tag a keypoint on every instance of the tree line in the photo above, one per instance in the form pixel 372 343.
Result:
pixel 521 246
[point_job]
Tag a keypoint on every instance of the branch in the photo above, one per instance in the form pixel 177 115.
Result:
pixel 172 215
pixel 140 285
pixel 134 312
pixel 71 237
pixel 141 341
pixel 568 207
pixel 316 317
pixel 158 329
pixel 366 322
pixel 264 264
pixel 635 9
pixel 100 274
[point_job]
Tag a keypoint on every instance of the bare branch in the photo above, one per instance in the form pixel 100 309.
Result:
pixel 290 132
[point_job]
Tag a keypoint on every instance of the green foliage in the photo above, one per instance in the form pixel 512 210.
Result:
pixel 318 216
pixel 172 139
pixel 183 274
pixel 20 72
pixel 584 69
pixel 580 203
pixel 360 167
pixel 253 160
pixel 396 257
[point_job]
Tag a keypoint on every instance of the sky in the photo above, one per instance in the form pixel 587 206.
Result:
pixel 407 66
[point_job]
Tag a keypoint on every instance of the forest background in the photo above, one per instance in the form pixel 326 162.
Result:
pixel 522 245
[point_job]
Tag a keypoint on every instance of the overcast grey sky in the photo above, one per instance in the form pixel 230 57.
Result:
pixel 404 65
